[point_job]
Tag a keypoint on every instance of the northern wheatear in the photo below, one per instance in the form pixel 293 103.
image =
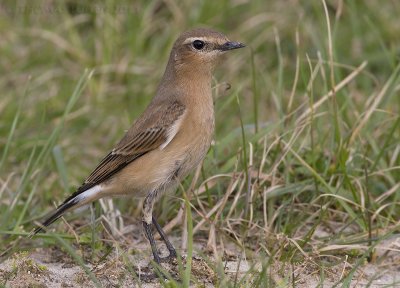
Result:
pixel 168 140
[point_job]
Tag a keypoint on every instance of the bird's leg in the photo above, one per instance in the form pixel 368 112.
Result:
pixel 149 236
pixel 170 247
pixel 147 222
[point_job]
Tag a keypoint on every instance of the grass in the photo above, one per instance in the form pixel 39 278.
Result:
pixel 304 171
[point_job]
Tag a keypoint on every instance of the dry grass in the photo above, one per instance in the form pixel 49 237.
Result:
pixel 301 183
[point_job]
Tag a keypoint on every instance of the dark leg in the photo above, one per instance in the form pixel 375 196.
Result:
pixel 148 220
pixel 170 247
pixel 149 235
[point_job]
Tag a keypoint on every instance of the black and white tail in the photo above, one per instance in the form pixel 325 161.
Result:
pixel 74 201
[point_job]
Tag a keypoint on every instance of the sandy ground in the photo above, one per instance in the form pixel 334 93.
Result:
pixel 54 268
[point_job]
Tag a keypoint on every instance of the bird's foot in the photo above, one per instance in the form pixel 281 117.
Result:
pixel 168 259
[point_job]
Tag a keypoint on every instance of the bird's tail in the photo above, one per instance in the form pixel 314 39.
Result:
pixel 54 216
pixel 74 201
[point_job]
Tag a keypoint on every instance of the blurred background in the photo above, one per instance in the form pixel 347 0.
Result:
pixel 74 75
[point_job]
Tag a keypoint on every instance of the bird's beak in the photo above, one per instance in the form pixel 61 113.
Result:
pixel 231 45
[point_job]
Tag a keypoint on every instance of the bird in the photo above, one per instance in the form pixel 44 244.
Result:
pixel 167 142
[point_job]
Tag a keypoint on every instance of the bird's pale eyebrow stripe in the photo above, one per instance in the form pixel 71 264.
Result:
pixel 191 39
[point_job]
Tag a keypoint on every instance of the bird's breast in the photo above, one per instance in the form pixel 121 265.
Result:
pixel 195 138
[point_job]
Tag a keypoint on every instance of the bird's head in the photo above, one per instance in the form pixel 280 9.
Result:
pixel 200 48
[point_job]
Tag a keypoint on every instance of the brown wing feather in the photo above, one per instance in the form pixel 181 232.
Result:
pixel 148 133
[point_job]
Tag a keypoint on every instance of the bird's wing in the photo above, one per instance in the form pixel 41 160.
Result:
pixel 147 134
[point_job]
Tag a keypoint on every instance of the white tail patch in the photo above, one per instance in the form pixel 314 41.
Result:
pixel 88 194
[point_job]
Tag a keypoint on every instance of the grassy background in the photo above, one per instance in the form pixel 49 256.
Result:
pixel 307 137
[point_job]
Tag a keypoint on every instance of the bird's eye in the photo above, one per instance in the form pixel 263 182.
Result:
pixel 198 44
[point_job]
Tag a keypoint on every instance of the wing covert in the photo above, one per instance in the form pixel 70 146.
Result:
pixel 144 136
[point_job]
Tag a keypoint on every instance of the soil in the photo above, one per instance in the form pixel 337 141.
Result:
pixel 51 267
